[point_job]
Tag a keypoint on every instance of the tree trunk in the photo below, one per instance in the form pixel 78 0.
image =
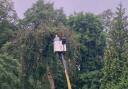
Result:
pixel 50 78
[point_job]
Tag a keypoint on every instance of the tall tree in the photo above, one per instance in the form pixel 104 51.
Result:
pixel 92 42
pixel 115 60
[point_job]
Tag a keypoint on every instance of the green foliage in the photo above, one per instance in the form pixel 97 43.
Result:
pixel 26 54
pixel 37 54
pixel 92 42
pixel 8 20
pixel 9 72
pixel 37 45
pixel 90 80
pixel 115 58
pixel 91 37
pixel 42 13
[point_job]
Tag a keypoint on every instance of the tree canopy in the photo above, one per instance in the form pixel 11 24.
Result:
pixel 97 48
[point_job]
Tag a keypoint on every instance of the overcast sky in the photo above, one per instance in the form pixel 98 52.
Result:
pixel 69 6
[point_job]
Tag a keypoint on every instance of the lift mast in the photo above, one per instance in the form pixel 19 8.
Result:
pixel 60 49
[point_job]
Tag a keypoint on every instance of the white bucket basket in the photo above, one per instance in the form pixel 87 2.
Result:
pixel 58 46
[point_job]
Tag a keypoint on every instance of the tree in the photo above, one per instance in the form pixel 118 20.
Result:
pixel 92 42
pixel 106 19
pixel 48 22
pixel 115 60
pixel 8 18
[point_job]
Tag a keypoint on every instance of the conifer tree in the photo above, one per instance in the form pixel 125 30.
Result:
pixel 116 57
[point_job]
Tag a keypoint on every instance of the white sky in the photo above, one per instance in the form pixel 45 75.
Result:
pixel 69 6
